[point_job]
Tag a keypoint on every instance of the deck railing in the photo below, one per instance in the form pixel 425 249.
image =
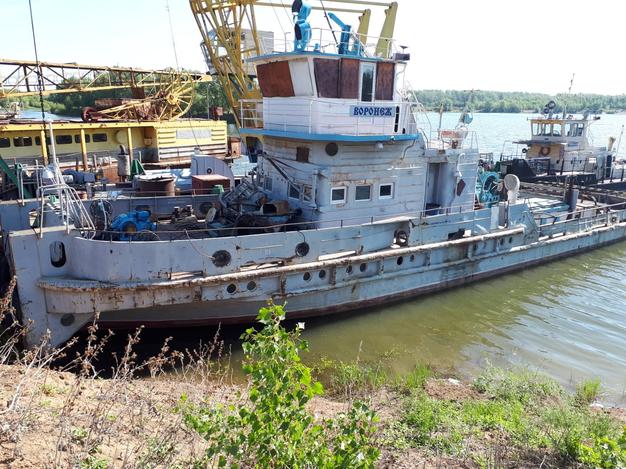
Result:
pixel 328 41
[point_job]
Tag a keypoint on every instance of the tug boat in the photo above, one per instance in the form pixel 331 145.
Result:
pixel 351 205
pixel 559 149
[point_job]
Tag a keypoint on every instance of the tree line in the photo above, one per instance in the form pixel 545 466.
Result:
pixel 499 101
pixel 212 94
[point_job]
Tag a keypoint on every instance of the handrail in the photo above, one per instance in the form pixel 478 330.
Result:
pixel 253 115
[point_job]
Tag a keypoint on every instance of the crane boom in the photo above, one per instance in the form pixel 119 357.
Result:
pixel 18 78
pixel 158 94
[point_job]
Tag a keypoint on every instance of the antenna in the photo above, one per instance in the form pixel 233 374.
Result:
pixel 569 93
pixel 40 84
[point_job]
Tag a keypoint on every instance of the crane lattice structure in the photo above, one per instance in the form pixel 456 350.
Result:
pixel 223 24
pixel 156 94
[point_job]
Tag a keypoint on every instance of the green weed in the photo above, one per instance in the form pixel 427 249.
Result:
pixel 587 391
pixel 274 428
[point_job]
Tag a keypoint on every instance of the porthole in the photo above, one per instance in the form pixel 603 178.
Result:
pixel 322 274
pixel 306 277
pixel 363 267
pixel 67 320
pixel 302 249
pixel 332 149
pixel 349 269
pixel 221 258
pixel 232 288
pixel 57 254
pixel 251 286
pixel 400 260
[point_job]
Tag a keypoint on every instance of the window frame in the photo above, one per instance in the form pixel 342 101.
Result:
pixel 356 193
pixel 296 188
pixel 392 192
pixel 363 66
pixel 345 195
pixel 63 139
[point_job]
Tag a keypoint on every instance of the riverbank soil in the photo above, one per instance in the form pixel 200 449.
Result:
pixel 51 419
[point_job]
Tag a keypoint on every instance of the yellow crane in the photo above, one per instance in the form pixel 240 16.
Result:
pixel 225 23
pixel 157 94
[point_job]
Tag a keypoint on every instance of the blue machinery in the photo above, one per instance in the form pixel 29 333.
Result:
pixel 302 29
pixel 488 188
pixel 131 223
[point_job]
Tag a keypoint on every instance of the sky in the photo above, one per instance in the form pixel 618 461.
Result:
pixel 506 45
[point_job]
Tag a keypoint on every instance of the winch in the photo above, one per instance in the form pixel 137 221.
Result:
pixel 128 224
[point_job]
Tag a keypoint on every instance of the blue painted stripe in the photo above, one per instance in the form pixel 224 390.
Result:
pixel 328 137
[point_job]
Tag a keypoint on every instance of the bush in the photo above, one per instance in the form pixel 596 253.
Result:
pixel 274 428
pixel 587 391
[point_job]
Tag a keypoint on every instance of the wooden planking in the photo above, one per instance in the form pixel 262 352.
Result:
pixel 275 79
pixel 349 79
pixel 384 81
pixel 327 77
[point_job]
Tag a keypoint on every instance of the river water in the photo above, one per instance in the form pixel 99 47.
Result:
pixel 566 318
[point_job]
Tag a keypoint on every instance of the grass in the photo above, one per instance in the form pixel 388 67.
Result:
pixel 587 391
pixel 506 418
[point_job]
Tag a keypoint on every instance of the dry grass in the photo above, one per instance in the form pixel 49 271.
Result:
pixel 55 418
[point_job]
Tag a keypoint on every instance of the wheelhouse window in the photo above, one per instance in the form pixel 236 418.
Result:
pixel 100 137
pixel 5 143
pixel 367 81
pixel 338 195
pixel 363 193
pixel 385 191
pixel 22 141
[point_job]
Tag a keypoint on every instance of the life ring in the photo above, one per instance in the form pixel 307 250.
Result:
pixel 544 151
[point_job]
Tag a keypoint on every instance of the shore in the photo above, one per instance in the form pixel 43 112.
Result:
pixel 60 419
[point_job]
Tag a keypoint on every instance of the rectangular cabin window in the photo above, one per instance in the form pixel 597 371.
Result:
pixel 275 79
pixel 268 183
pixel 349 79
pixel 22 141
pixel 100 137
pixel 327 77
pixel 385 191
pixel 338 195
pixel 363 193
pixel 294 192
pixel 367 81
pixel 38 141
pixel 63 139
pixel 385 81
pixel 87 138
pixel 307 193
pixel 5 142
